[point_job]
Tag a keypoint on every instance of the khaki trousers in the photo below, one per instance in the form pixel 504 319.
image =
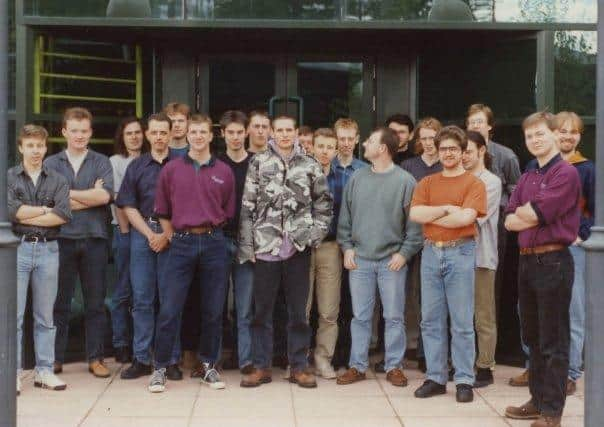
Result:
pixel 325 282
pixel 484 315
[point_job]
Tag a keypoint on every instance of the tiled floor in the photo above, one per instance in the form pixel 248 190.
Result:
pixel 91 402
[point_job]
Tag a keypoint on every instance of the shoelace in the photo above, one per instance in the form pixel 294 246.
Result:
pixel 158 376
pixel 212 375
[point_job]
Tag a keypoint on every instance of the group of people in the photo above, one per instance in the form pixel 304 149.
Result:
pixel 292 220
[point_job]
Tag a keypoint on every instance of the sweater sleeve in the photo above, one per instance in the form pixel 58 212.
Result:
pixel 344 235
pixel 412 230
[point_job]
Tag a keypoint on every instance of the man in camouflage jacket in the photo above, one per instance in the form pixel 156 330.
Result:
pixel 286 210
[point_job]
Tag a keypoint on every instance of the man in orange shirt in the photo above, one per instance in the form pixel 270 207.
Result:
pixel 447 204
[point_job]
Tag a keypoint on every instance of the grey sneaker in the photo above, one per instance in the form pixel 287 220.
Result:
pixel 48 380
pixel 158 381
pixel 212 377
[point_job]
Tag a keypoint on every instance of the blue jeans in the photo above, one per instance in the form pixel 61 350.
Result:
pixel 38 265
pixel 146 268
pixel 208 253
pixel 121 296
pixel 447 276
pixel 577 317
pixel 364 280
pixel 87 259
pixel 242 277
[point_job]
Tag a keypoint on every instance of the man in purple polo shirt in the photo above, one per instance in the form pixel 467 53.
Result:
pixel 544 210
pixel 195 197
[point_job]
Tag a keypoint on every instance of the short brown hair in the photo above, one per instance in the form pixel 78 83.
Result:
pixel 452 132
pixel 569 116
pixel 481 108
pixel 200 119
pixel 389 138
pixel 32 131
pixel 325 133
pixel 233 116
pixel 305 130
pixel 260 113
pixel 76 113
pixel 425 123
pixel 345 123
pixel 178 108
pixel 540 117
pixel 284 117
pixel 160 117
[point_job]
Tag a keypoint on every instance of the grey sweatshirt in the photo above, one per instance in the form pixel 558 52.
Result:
pixel 374 217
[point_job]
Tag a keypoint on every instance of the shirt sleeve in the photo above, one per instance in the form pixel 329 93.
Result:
pixel 248 212
pixel 163 203
pixel 515 201
pixel 127 194
pixel 61 206
pixel 493 188
pixel 476 198
pixel 344 233
pixel 413 231
pixel 511 171
pixel 13 201
pixel 420 194
pixel 106 173
pixel 231 201
pixel 558 196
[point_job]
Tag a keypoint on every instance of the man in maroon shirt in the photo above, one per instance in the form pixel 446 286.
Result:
pixel 544 210
pixel 195 197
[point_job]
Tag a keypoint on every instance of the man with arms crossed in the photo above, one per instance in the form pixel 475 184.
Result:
pixel 447 204
pixel 377 244
pixel 342 168
pixel 83 241
pixel 286 210
pixel 38 204
pixel 195 197
pixel 477 161
pixel 544 210
pixel 326 267
pixel 148 245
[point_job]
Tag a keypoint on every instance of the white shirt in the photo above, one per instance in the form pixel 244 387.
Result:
pixel 34 176
pixel 76 161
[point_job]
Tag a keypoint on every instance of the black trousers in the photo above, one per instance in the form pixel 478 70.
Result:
pixel 291 274
pixel 544 291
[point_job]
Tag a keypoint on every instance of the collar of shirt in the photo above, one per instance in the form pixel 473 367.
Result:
pixel 210 162
pixel 547 166
pixel 20 170
pixel 354 165
pixel 147 158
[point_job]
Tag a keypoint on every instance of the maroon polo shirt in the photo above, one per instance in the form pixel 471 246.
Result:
pixel 193 195
pixel 553 192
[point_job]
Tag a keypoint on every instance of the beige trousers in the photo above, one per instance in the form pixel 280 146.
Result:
pixel 484 316
pixel 325 282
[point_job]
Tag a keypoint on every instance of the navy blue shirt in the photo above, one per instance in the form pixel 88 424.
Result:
pixel 240 171
pixel 92 222
pixel 336 180
pixel 139 184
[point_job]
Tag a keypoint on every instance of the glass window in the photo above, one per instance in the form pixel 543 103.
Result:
pixel 11 55
pixel 575 71
pixel 577 11
pixel 101 8
pixel 500 75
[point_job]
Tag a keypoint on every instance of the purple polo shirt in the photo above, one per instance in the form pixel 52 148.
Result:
pixel 553 191
pixel 193 195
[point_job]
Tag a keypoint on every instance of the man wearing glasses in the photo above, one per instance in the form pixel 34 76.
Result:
pixel 447 204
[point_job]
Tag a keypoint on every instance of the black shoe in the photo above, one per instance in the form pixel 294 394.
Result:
pixel 430 388
pixel 464 393
pixel 136 370
pixel 484 377
pixel 173 373
pixel 122 355
pixel 421 364
pixel 451 374
pixel 379 367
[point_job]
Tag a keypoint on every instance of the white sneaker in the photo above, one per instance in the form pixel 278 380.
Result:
pixel 18 385
pixel 158 381
pixel 48 380
pixel 325 370
pixel 212 377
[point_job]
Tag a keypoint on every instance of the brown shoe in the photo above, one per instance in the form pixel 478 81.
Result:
pixel 198 371
pixel 544 421
pixel 188 360
pixel 256 378
pixel 528 411
pixel 303 379
pixel 351 375
pixel 247 369
pixel 521 380
pixel 98 369
pixel 571 387
pixel 57 367
pixel 396 377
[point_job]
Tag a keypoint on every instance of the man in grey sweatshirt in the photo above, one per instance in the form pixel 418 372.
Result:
pixel 377 238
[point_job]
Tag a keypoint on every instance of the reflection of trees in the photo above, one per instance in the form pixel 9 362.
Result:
pixel 575 72
pixel 542 10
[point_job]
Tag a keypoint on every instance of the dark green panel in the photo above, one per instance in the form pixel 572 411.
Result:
pixel 500 75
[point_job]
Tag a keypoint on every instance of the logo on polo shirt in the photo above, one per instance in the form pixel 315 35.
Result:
pixel 217 180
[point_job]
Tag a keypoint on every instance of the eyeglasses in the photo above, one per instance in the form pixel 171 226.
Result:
pixel 476 122
pixel 452 150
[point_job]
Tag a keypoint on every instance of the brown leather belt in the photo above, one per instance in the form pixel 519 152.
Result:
pixel 542 249
pixel 199 230
pixel 450 243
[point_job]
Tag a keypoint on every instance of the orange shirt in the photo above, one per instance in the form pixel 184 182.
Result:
pixel 465 190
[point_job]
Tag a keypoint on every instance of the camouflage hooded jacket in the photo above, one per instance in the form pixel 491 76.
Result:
pixel 283 197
